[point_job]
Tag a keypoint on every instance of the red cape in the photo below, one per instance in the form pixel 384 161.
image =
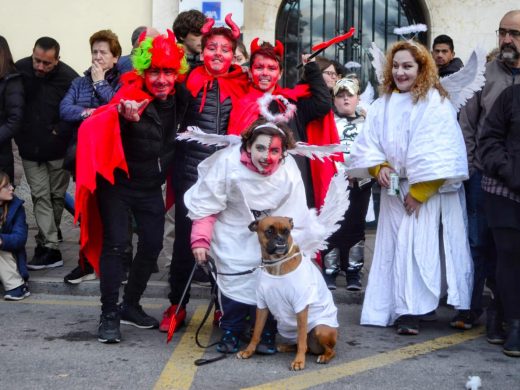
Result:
pixel 100 151
pixel 321 131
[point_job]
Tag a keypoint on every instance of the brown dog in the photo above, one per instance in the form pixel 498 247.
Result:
pixel 281 257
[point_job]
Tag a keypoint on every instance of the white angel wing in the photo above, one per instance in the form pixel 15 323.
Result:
pixel 196 134
pixel 378 61
pixel 463 84
pixel 321 227
pixel 367 97
pixel 317 151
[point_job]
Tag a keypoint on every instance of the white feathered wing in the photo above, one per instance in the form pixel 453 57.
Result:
pixel 317 151
pixel 320 227
pixel 463 84
pixel 197 135
pixel 378 61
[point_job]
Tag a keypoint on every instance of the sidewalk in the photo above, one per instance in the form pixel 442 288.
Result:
pixel 50 281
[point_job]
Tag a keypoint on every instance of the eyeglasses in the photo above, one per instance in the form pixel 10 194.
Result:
pixel 330 73
pixel 514 34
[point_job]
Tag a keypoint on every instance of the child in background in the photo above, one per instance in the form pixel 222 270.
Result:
pixel 13 236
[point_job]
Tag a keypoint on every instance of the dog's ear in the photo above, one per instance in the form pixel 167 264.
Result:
pixel 291 223
pixel 253 226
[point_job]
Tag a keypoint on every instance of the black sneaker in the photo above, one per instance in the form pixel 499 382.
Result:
pixel 267 344
pixel 51 258
pixel 78 275
pixel 408 325
pixel 229 342
pixel 354 281
pixel 108 331
pixel 464 320
pixel 330 280
pixel 135 315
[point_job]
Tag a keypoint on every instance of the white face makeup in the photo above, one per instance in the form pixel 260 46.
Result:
pixel 266 153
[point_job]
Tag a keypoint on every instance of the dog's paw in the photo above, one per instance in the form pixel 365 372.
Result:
pixel 325 358
pixel 245 354
pixel 297 365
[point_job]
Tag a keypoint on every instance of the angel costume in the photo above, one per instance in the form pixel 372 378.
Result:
pixel 237 196
pixel 423 142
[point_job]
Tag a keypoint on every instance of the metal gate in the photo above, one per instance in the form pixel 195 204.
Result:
pixel 303 23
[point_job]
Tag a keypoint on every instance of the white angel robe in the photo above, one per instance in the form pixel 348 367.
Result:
pixel 422 142
pixel 232 191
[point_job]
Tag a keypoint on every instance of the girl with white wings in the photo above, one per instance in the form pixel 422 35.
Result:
pixel 421 244
pixel 254 177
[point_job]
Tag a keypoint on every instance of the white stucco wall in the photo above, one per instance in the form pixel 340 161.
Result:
pixel 71 23
pixel 469 23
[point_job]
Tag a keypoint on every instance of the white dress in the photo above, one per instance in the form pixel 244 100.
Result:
pixel 422 142
pixel 288 294
pixel 231 191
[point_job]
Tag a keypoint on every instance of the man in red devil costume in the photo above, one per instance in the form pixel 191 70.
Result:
pixel 215 87
pixel 313 122
pixel 121 166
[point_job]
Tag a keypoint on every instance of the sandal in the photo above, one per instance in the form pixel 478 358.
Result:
pixel 408 325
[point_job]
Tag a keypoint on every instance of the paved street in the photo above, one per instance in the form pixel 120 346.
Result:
pixel 49 342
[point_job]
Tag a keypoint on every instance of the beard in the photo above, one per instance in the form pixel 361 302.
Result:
pixel 509 54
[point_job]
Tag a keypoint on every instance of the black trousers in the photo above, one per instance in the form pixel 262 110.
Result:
pixel 147 207
pixel 352 228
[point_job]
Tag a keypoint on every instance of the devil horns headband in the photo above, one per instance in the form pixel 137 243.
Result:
pixel 278 48
pixel 235 30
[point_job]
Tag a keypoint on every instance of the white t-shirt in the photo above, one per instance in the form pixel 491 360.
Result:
pixel 289 294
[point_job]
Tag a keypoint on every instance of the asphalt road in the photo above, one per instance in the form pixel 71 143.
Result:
pixel 49 342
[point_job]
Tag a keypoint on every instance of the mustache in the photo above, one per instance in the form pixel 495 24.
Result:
pixel 509 52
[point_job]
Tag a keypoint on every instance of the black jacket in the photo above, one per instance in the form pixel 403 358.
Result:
pixel 213 119
pixel 499 142
pixel 11 113
pixel 451 67
pixel 149 144
pixel 42 136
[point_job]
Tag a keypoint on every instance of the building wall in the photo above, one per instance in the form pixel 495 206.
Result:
pixel 468 22
pixel 71 23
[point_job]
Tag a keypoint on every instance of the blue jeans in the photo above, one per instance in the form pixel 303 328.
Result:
pixel 480 241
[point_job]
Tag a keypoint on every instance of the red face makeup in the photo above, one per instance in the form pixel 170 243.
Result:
pixel 266 153
pixel 160 82
pixel 218 55
pixel 265 73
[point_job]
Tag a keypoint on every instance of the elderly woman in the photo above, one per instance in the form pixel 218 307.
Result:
pixel 411 139
pixel 86 93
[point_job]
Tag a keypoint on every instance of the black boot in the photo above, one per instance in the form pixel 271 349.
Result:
pixel 495 333
pixel 512 344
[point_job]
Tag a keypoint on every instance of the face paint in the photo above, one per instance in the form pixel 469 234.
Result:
pixel 160 82
pixel 218 55
pixel 266 153
pixel 265 73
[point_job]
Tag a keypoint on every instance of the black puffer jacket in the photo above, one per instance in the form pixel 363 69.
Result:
pixel 43 137
pixel 212 120
pixel 149 144
pixel 11 114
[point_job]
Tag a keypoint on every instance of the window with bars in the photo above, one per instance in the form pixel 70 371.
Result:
pixel 303 23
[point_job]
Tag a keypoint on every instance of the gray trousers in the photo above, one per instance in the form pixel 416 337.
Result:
pixel 48 182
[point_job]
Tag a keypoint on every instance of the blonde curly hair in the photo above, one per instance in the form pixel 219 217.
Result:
pixel 427 76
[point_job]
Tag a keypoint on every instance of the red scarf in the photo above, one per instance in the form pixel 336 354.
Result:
pixel 100 151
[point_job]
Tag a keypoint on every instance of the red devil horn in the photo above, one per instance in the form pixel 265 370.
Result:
pixel 234 28
pixel 171 36
pixel 278 49
pixel 254 45
pixel 142 36
pixel 207 26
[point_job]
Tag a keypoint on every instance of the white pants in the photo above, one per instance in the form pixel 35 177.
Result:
pixel 9 275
